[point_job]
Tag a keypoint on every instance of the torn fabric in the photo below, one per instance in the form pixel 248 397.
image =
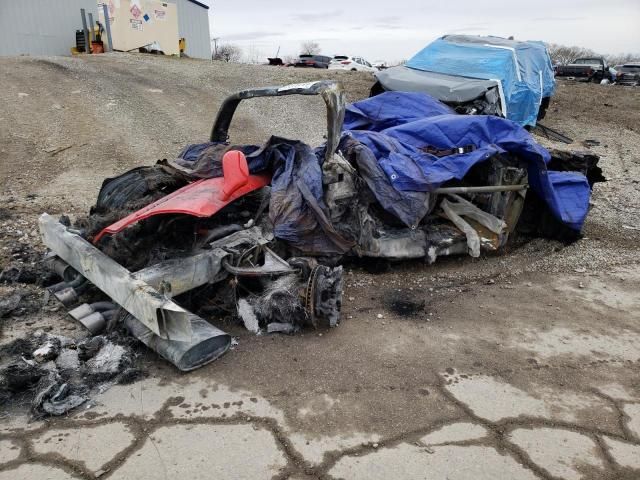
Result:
pixel 401 151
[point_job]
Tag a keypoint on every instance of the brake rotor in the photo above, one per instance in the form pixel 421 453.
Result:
pixel 323 296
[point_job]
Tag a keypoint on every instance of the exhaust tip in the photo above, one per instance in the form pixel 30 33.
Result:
pixel 66 296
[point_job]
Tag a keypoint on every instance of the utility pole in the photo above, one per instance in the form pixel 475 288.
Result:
pixel 215 46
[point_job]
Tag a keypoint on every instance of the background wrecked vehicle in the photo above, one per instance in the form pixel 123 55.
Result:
pixel 628 74
pixel 591 69
pixel 479 75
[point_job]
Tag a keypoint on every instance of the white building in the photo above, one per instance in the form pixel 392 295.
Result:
pixel 48 27
pixel 41 27
pixel 193 26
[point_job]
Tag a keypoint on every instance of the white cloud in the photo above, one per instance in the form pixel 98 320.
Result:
pixel 396 30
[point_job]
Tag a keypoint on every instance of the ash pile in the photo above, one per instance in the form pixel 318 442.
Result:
pixel 54 374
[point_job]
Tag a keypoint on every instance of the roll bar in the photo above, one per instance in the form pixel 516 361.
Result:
pixel 331 92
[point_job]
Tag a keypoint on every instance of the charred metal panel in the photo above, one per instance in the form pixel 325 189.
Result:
pixel 158 313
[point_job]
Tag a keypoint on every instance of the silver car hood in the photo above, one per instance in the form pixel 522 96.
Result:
pixel 446 88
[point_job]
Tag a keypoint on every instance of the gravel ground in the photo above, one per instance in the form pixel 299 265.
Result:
pixel 117 111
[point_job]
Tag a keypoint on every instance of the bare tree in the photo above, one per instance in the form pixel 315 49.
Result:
pixel 623 58
pixel 561 54
pixel 228 52
pixel 310 48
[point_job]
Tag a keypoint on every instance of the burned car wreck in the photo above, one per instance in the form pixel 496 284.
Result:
pixel 260 231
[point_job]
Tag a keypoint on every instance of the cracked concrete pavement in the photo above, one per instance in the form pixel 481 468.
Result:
pixel 521 366
pixel 517 397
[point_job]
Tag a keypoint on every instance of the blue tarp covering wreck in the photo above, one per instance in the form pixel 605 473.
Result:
pixel 523 69
pixel 397 126
pixel 392 135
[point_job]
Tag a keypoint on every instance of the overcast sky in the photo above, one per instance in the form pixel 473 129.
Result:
pixel 396 29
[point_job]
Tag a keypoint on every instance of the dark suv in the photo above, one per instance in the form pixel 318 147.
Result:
pixel 314 61
pixel 628 74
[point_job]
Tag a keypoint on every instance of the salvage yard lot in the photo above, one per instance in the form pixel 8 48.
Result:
pixel 520 365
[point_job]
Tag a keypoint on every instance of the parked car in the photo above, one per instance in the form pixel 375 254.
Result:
pixel 590 69
pixel 354 64
pixel 482 75
pixel 313 61
pixel 628 74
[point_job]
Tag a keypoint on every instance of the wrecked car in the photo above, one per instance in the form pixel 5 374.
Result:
pixel 479 75
pixel 258 232
pixel 628 74
pixel 591 69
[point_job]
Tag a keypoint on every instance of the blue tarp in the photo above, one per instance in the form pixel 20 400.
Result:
pixel 397 126
pixel 385 137
pixel 523 69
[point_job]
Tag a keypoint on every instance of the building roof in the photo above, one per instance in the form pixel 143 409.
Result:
pixel 199 4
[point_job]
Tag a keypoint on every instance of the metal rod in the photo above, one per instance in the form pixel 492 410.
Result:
pixel 553 134
pixel 87 46
pixel 107 26
pixel 92 31
pixel 487 189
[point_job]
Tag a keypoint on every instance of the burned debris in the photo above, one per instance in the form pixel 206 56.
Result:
pixel 54 374
pixel 258 232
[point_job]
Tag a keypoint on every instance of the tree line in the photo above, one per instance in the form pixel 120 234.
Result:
pixel 560 54
pixel 230 52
